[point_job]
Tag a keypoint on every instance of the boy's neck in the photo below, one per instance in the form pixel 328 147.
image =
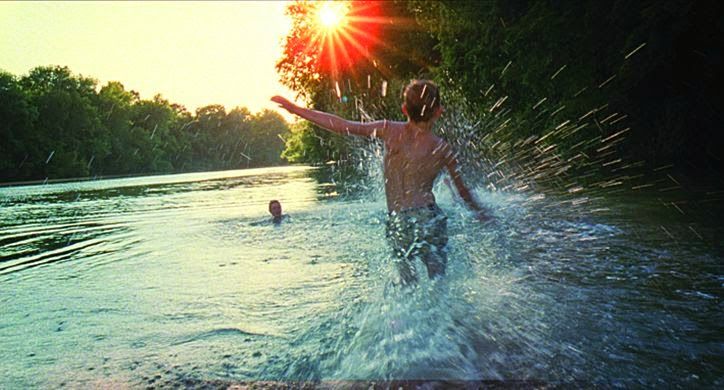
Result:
pixel 420 126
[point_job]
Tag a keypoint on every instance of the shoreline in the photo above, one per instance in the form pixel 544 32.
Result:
pixel 123 176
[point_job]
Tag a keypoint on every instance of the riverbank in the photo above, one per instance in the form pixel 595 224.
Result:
pixel 124 176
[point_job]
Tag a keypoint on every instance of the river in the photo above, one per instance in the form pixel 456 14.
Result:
pixel 180 280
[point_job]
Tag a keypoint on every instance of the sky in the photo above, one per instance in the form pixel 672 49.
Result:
pixel 192 53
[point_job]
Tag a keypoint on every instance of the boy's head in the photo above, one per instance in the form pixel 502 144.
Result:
pixel 275 208
pixel 422 101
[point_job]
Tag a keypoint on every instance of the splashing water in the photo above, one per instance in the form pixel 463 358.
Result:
pixel 566 236
pixel 162 281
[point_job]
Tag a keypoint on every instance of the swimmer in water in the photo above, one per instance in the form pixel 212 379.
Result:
pixel 413 159
pixel 275 209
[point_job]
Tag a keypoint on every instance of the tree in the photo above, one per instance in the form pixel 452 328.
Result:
pixel 267 138
pixel 16 121
pixel 67 135
pixel 115 109
pixel 381 49
pixel 58 125
pixel 556 61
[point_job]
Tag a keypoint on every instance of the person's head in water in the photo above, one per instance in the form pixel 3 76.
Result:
pixel 422 101
pixel 275 208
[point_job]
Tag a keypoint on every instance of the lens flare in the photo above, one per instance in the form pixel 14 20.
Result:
pixel 335 35
pixel 332 15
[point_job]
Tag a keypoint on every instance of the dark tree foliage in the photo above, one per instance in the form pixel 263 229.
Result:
pixel 651 68
pixel 16 118
pixel 654 62
pixel 57 125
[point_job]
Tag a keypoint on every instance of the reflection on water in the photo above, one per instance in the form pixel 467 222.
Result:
pixel 172 281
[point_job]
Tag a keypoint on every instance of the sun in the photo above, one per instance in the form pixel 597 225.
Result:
pixel 334 36
pixel 332 15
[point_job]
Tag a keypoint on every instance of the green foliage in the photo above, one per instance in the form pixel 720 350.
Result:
pixel 623 58
pixel 400 52
pixel 305 145
pixel 67 131
pixel 652 65
pixel 16 118
pixel 55 124
pixel 266 137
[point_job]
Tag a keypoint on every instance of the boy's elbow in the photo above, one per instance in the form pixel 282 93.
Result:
pixel 462 189
pixel 465 195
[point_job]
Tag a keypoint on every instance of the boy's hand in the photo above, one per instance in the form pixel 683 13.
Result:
pixel 284 103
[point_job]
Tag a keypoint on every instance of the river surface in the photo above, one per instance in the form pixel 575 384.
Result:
pixel 181 280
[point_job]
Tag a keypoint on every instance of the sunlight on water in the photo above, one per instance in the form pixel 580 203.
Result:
pixel 182 281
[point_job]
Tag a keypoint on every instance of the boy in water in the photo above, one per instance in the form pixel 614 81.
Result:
pixel 275 209
pixel 414 156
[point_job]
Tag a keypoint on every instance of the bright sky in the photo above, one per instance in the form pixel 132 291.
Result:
pixel 193 53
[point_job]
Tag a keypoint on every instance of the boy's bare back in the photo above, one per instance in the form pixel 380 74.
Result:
pixel 413 159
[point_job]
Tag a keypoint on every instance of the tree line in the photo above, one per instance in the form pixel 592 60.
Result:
pixel 55 124
pixel 584 86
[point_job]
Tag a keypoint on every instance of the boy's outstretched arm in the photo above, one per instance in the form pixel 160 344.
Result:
pixel 451 163
pixel 332 122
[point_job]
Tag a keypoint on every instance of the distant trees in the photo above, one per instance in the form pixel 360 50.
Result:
pixel 55 124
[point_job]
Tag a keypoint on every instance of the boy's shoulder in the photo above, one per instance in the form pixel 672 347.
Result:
pixel 394 127
pixel 437 142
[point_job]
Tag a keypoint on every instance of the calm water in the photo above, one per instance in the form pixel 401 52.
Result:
pixel 162 281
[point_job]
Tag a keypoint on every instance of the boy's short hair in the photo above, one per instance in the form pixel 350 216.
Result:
pixel 422 98
pixel 271 202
